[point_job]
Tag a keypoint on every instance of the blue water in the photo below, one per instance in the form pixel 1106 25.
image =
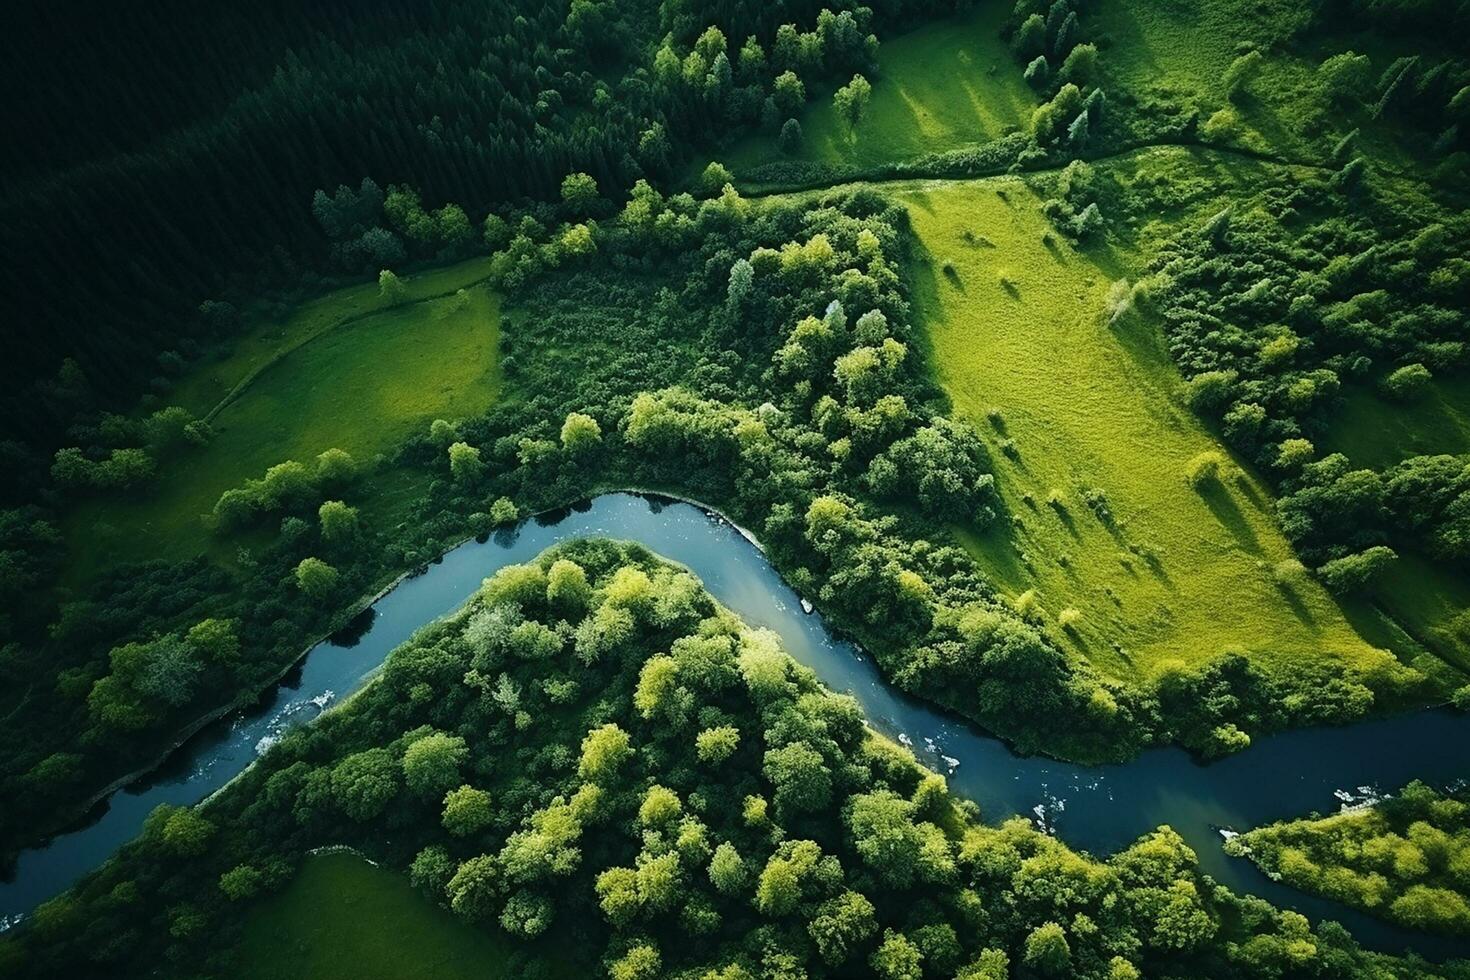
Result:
pixel 1095 808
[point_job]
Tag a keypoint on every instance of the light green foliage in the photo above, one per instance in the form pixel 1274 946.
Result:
pixel 467 811
pixel 1047 950
pixel 603 751
pixel 715 745
pixel 504 511
pixel 186 833
pixel 473 888
pixel 897 958
pixel 903 882
pixel 641 962
pixel 660 805
pixel 841 926
pixel 567 590
pixel 796 871
pixel 1080 66
pixel 339 522
pixel 1406 859
pixel 580 433
pixel 1353 573
pixel 390 288
pixel 1408 383
pixel 316 578
pixel 431 764
pixel 578 193
pixel 465 464
pixel 899 849
pixel 714 178
pixel 241 882
pixel 728 872
pixel 1206 469
pixel 851 100
pixel 364 783
pixel 800 777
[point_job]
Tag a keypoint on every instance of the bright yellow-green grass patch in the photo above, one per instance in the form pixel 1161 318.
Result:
pixel 1017 324
pixel 342 917
pixel 361 386
pixel 267 339
pixel 949 84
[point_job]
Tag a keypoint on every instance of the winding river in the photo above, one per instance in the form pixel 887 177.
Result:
pixel 1095 808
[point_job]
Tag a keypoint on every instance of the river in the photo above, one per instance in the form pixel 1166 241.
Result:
pixel 1095 808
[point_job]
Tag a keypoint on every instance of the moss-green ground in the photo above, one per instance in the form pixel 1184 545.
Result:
pixel 340 917
pixel 352 376
pixel 948 84
pixel 1018 325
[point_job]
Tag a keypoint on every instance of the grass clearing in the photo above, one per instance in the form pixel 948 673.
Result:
pixel 267 339
pixel 1016 324
pixel 948 84
pixel 1372 431
pixel 341 917
pixel 361 386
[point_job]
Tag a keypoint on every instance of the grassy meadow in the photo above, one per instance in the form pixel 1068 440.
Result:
pixel 1017 324
pixel 1374 431
pixel 947 84
pixel 342 372
pixel 341 917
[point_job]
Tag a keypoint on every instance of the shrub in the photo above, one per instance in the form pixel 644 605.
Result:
pixel 1205 468
pixel 1288 572
pixel 391 288
pixel 1354 573
pixel 504 511
pixel 1408 383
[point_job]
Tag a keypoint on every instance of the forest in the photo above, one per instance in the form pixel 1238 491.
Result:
pixel 1403 857
pixel 1110 400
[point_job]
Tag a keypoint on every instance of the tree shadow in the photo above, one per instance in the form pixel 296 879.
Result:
pixel 1249 491
pixel 1012 290
pixel 1298 608
pixel 1229 514
pixel 1068 521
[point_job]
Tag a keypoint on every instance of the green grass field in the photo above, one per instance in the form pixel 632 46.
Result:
pixel 266 339
pixel 1372 431
pixel 342 917
pixel 1018 325
pixel 353 378
pixel 948 84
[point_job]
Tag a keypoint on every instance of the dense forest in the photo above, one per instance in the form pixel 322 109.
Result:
pixel 1403 857
pixel 997 370
pixel 592 753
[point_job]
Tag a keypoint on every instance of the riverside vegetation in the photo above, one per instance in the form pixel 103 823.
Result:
pixel 596 759
pixel 1404 858
pixel 1076 451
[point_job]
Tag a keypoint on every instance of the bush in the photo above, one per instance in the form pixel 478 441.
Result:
pixel 1205 468
pixel 1354 573
pixel 1408 383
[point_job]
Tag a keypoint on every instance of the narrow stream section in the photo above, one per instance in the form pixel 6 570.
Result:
pixel 1095 808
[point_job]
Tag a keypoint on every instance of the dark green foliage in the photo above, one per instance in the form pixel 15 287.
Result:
pixel 146 190
pixel 1270 319
pixel 640 859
